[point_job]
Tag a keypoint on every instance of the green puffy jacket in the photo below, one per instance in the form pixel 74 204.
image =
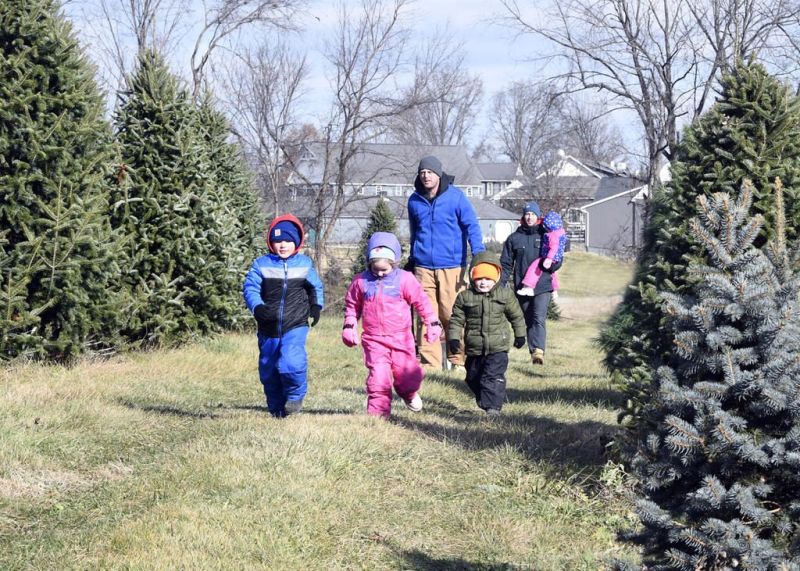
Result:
pixel 484 317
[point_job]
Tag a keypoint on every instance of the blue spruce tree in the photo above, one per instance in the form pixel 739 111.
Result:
pixel 752 132
pixel 719 466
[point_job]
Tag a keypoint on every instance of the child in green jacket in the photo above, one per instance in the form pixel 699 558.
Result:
pixel 484 311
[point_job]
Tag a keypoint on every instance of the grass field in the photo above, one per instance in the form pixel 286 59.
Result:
pixel 168 460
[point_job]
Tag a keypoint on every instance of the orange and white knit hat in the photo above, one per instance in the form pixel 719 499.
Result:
pixel 485 270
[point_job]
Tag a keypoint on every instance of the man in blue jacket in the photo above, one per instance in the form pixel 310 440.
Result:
pixel 441 220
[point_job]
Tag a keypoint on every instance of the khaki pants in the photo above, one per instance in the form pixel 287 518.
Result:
pixel 441 287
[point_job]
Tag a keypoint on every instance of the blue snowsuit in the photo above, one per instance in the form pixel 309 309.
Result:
pixel 288 288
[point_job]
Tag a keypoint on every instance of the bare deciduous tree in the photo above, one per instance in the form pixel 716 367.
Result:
pixel 263 92
pixel 449 97
pixel 536 125
pixel 588 133
pixel 659 59
pixel 224 18
pixel 368 54
pixel 527 124
pixel 121 29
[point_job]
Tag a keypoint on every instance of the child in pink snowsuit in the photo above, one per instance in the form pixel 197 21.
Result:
pixel 380 297
pixel 552 252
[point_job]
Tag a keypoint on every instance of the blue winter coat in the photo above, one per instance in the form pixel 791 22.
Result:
pixel 288 288
pixel 440 228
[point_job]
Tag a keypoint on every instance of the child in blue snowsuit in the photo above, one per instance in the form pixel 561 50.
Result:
pixel 283 290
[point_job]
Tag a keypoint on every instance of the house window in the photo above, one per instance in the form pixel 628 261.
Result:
pixel 574 216
pixel 468 190
pixel 381 192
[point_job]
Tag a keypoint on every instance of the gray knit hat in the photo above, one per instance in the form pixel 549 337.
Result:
pixel 432 164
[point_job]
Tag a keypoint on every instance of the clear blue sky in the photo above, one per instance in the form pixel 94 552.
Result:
pixel 496 53
pixel 493 52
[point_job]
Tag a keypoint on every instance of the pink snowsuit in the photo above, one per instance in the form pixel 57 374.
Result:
pixel 552 249
pixel 382 304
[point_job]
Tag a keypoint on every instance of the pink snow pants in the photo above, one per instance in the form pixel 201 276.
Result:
pixel 534 272
pixel 391 362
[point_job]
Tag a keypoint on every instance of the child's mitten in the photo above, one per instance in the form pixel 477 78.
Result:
pixel 453 346
pixel 433 332
pixel 547 263
pixel 314 313
pixel 349 334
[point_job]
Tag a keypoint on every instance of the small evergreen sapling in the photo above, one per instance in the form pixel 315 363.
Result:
pixel 719 469
pixel 381 219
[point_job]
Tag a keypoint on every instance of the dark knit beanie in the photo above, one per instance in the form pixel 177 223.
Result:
pixel 432 164
pixel 532 207
pixel 285 231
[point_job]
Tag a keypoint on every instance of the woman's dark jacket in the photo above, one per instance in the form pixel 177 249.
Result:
pixel 520 250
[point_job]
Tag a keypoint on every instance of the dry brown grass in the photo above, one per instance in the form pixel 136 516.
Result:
pixel 168 460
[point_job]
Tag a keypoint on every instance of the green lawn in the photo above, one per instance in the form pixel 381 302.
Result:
pixel 168 460
pixel 586 274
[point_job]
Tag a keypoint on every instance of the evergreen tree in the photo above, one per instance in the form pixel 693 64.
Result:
pixel 239 219
pixel 719 466
pixel 381 219
pixel 57 260
pixel 178 275
pixel 752 132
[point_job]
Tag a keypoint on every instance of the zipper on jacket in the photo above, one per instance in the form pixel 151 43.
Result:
pixel 283 297
pixel 430 230
pixel 484 326
pixel 379 304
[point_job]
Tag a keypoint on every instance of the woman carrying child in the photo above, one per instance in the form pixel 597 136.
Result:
pixel 520 250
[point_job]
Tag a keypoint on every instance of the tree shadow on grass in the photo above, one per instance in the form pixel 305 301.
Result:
pixel 168 410
pixel 419 561
pixel 527 370
pixel 209 414
pixel 561 444
pixel 589 396
pixel 607 398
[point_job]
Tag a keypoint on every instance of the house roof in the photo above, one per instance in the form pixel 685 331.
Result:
pixel 498 171
pixel 488 210
pixel 636 194
pixel 585 187
pixel 362 206
pixel 378 163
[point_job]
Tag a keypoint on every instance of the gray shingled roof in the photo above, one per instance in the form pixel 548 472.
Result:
pixel 587 187
pixel 611 186
pixel 361 207
pixel 394 164
pixel 497 171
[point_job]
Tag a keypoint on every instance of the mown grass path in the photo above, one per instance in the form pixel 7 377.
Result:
pixel 168 460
